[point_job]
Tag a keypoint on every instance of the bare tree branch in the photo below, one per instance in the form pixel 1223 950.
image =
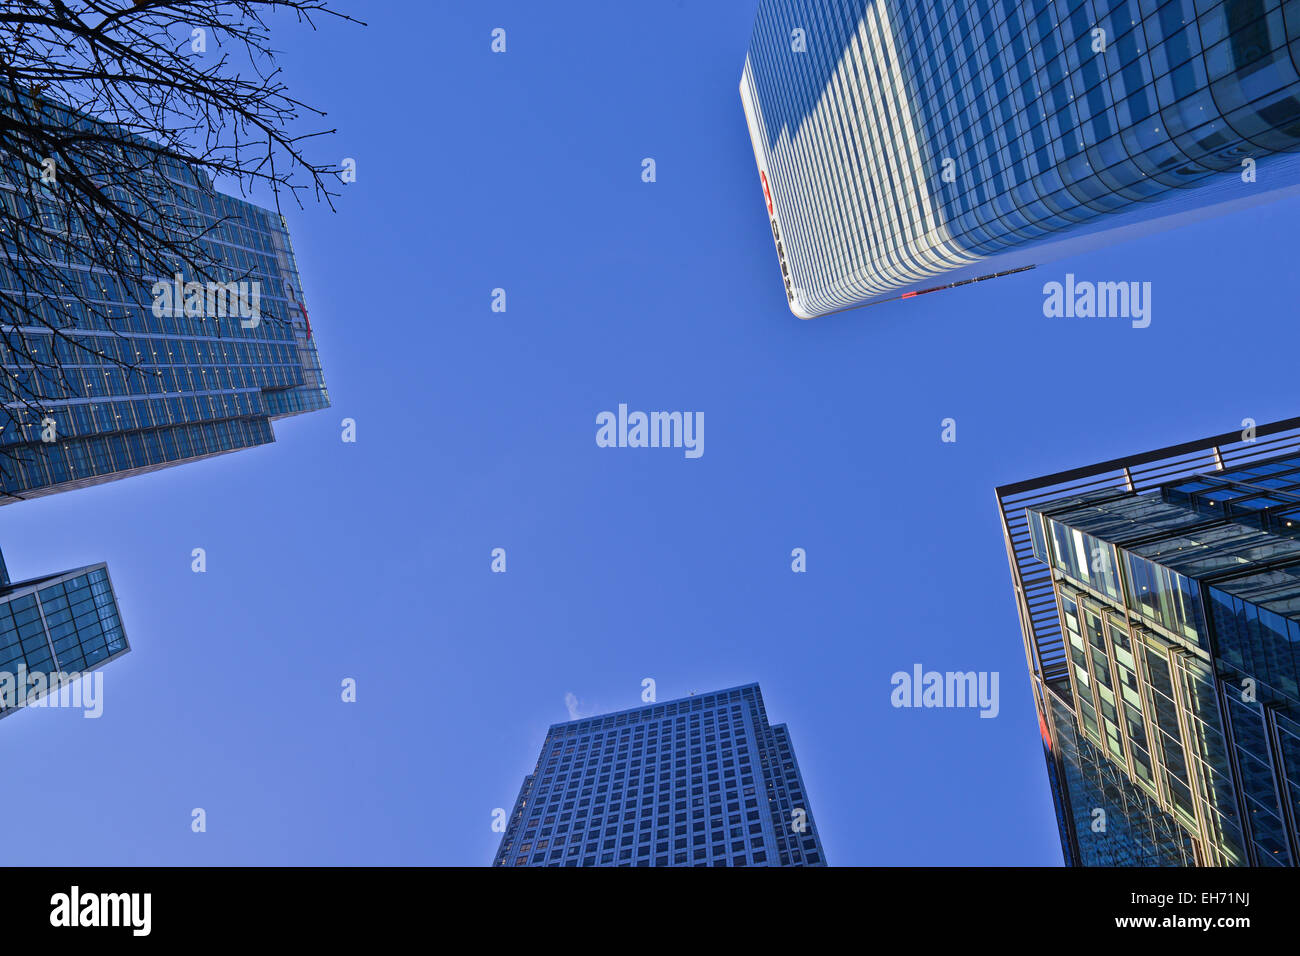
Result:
pixel 116 116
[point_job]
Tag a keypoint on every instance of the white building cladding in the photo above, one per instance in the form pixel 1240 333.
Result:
pixel 906 147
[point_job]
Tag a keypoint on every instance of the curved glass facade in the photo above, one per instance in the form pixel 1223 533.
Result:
pixel 905 147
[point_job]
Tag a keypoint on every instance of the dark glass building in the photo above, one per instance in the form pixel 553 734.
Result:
pixel 205 377
pixel 1159 599
pixel 123 377
pixel 53 629
pixel 904 147
pixel 701 781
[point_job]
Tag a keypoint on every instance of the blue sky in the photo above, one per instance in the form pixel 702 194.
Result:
pixel 476 430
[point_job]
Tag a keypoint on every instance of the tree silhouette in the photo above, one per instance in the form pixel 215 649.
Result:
pixel 114 116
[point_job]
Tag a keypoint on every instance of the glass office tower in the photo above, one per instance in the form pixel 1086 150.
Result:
pixel 701 781
pixel 206 378
pixel 1160 603
pixel 54 629
pixel 904 147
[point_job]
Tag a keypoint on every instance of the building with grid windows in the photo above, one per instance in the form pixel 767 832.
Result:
pixel 701 781
pixel 204 378
pixel 53 630
pixel 1159 600
pixel 908 147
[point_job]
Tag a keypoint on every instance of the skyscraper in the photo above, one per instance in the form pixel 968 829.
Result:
pixel 908 147
pixel 54 630
pixel 214 358
pixel 1159 600
pixel 123 376
pixel 700 781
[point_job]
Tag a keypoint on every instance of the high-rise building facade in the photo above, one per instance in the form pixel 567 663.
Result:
pixel 1159 598
pixel 905 147
pixel 54 630
pixel 170 368
pixel 123 376
pixel 700 781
